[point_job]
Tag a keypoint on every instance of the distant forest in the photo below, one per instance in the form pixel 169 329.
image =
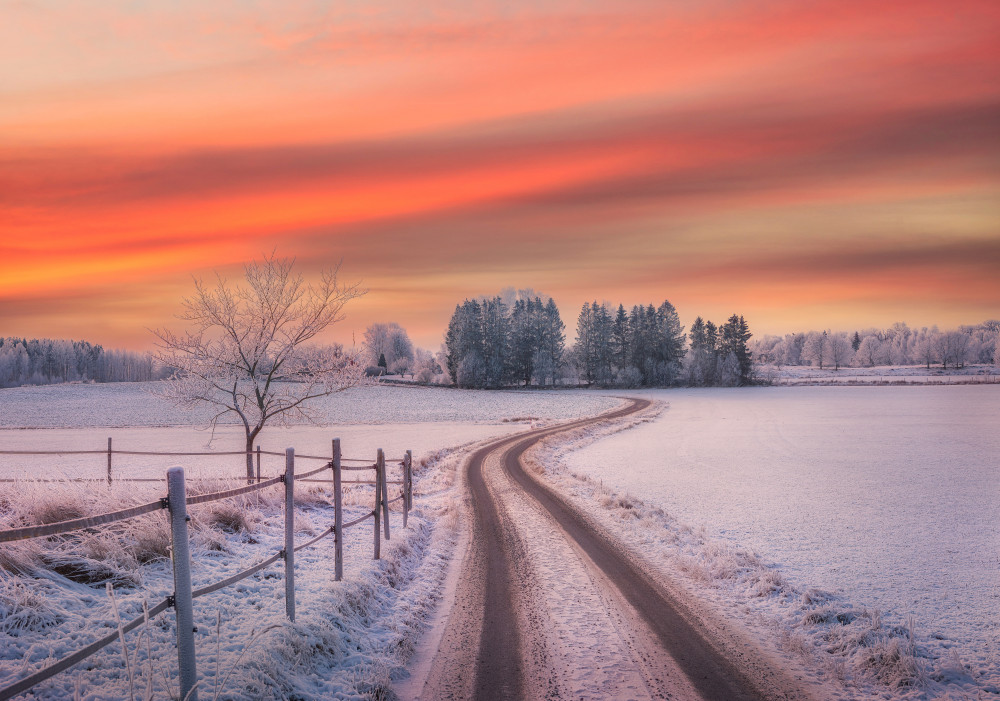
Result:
pixel 42 361
pixel 518 338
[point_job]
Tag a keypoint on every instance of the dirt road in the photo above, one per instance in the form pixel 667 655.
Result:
pixel 548 606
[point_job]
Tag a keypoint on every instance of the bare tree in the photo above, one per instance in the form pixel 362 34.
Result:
pixel 840 350
pixel 250 351
pixel 953 347
pixel 817 348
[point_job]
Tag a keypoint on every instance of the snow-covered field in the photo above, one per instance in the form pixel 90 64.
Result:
pixel 349 639
pixel 785 507
pixel 133 404
pixel 421 419
pixel 886 497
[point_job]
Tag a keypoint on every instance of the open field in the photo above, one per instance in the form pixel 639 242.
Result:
pixel 888 497
pixel 878 503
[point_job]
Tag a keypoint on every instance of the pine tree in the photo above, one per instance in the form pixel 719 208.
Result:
pixel 619 340
pixel 553 337
pixel 585 343
pixel 698 353
pixel 669 349
pixel 733 347
pixel 601 341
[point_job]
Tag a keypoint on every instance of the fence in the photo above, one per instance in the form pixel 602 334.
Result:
pixel 176 503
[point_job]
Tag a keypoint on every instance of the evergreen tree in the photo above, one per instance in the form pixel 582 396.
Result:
pixel 496 342
pixel 602 343
pixel 619 340
pixel 669 345
pixel 553 340
pixel 733 346
pixel 585 356
pixel 698 354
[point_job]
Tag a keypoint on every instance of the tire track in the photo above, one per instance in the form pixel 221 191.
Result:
pixel 491 647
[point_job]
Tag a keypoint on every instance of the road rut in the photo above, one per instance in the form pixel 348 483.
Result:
pixel 547 606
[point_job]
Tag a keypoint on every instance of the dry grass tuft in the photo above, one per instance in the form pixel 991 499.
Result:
pixel 24 609
pixel 227 517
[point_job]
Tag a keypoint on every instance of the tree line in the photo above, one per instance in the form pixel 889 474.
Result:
pixel 896 345
pixel 42 361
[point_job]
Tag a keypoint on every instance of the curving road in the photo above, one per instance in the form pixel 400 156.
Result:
pixel 548 606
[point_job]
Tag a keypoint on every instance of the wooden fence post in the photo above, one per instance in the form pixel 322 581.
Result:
pixel 383 488
pixel 407 485
pixel 338 516
pixel 109 461
pixel 378 525
pixel 183 602
pixel 258 464
pixel 290 533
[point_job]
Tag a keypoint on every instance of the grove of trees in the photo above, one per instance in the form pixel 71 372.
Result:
pixel 490 343
pixel 643 347
pixel 42 361
pixel 520 339
pixel 388 346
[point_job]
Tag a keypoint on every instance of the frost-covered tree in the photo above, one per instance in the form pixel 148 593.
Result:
pixel 425 365
pixel 552 344
pixel 925 349
pixel 869 352
pixel 840 350
pixel 733 347
pixel 699 354
pixel 953 347
pixel 250 353
pixel 387 345
pixel 496 343
pixel 585 350
pixel 816 349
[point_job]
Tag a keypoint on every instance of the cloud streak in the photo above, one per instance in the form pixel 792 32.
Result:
pixel 640 148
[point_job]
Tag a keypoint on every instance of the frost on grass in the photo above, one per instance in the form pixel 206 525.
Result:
pixel 351 639
pixel 854 647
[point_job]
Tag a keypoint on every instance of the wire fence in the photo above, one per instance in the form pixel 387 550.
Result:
pixel 176 503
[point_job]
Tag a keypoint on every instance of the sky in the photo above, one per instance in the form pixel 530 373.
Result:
pixel 807 164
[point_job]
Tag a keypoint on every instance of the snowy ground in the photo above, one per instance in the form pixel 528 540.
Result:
pixel 882 499
pixel 349 639
pixel 785 508
pixel 133 404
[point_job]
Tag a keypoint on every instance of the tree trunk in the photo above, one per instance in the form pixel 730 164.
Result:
pixel 250 471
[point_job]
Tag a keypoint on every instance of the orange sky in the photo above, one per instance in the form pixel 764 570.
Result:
pixel 806 164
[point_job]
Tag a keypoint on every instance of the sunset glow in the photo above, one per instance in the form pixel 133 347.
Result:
pixel 829 164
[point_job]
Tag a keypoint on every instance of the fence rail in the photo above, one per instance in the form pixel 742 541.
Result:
pixel 176 503
pixel 110 452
